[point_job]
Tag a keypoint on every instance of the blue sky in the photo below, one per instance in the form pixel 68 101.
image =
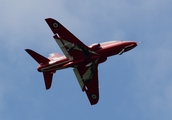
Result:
pixel 135 85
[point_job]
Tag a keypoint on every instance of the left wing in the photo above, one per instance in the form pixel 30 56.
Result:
pixel 87 76
pixel 71 46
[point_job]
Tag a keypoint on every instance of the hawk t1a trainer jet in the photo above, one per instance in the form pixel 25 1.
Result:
pixel 83 59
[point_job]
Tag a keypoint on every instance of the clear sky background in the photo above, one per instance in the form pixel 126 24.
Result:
pixel 134 86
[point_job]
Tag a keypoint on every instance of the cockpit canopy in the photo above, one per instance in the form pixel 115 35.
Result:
pixel 95 46
pixel 110 42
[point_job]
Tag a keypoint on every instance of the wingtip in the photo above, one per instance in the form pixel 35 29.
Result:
pixel 53 24
pixel 50 20
pixel 93 98
pixel 47 19
pixel 94 103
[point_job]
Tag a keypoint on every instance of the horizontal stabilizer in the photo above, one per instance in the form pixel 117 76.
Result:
pixel 48 76
pixel 39 58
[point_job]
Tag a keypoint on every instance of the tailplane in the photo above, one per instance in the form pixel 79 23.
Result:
pixel 39 58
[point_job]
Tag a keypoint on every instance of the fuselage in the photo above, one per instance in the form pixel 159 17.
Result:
pixel 102 50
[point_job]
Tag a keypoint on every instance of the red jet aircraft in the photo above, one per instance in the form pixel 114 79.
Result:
pixel 83 59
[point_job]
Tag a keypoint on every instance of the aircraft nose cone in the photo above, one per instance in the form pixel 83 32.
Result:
pixel 130 45
pixel 134 44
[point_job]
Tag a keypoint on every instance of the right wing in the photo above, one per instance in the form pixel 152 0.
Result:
pixel 71 46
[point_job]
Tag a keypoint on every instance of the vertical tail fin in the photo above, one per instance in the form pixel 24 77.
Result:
pixel 39 58
pixel 48 76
